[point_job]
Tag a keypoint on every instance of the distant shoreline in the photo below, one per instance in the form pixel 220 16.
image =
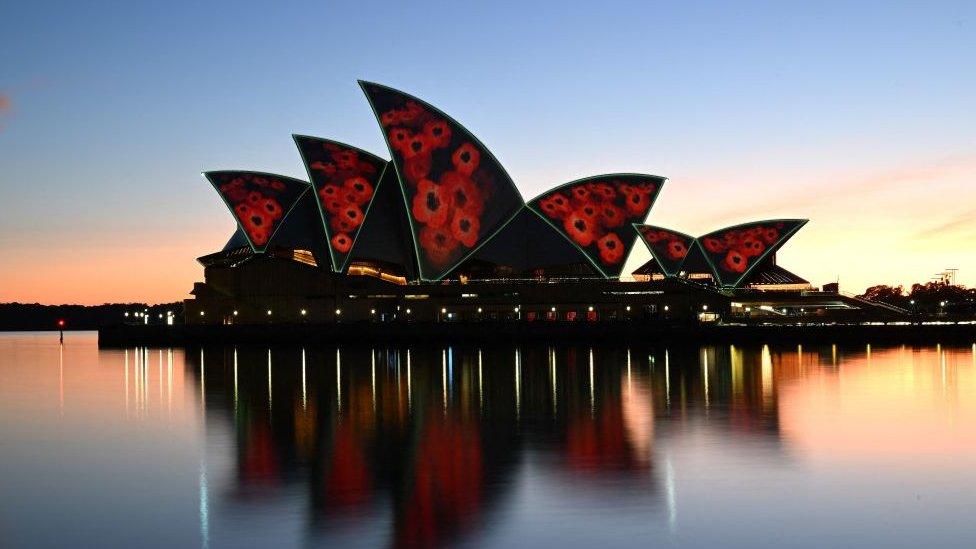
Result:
pixel 25 317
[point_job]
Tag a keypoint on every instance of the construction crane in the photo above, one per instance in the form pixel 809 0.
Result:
pixel 947 276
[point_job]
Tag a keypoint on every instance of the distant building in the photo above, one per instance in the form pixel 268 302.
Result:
pixel 441 233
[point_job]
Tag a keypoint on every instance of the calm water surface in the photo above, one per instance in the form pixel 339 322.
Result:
pixel 750 446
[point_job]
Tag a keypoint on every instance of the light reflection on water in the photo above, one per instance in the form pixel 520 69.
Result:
pixel 497 446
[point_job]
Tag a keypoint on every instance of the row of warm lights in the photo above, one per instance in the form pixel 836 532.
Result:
pixel 145 314
pixel 304 312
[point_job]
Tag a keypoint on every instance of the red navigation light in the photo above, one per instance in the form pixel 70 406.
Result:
pixel 61 323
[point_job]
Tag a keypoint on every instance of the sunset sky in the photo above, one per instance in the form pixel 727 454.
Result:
pixel 859 118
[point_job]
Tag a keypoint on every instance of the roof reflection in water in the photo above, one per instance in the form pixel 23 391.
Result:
pixel 432 436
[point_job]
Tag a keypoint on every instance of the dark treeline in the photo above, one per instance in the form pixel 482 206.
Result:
pixel 929 298
pixel 34 316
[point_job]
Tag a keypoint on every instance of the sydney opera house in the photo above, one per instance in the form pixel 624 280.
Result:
pixel 441 233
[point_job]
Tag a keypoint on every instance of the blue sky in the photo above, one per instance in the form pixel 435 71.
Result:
pixel 859 117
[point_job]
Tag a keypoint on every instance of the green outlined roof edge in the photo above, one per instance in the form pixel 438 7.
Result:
pixel 325 225
pixel 766 253
pixel 531 205
pixel 403 191
pixel 298 199
pixel 650 248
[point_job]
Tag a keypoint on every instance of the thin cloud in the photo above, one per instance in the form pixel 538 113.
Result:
pixel 863 185
pixel 963 222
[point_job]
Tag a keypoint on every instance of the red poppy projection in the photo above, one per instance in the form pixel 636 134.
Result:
pixel 259 201
pixel 457 193
pixel 597 213
pixel 668 247
pixel 734 251
pixel 345 180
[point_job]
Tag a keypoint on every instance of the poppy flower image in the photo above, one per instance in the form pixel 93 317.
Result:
pixel 555 206
pixel 579 228
pixel 438 133
pixel 650 235
pixel 365 167
pixel 416 168
pixel 260 181
pixel 645 187
pixel 334 205
pixel 431 204
pixel 271 207
pixel 770 235
pixel 399 137
pixel 464 194
pixel 348 218
pixel 352 214
pixel 259 235
pixel 256 220
pixel 242 211
pixel 754 231
pixel 590 211
pixel 734 262
pixel 603 192
pixel 329 192
pixel 359 189
pixel 341 243
pixel 390 117
pixel 236 194
pixel 328 168
pixel 637 203
pixel 277 185
pixel 346 196
pixel 346 159
pixel 713 245
pixel 676 249
pixel 466 159
pixel 438 244
pixel 580 194
pixel 611 216
pixel 751 247
pixel 611 248
pixel 254 198
pixel 411 113
pixel 465 227
pixel 417 145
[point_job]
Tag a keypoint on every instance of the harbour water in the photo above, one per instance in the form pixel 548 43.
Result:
pixel 758 445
